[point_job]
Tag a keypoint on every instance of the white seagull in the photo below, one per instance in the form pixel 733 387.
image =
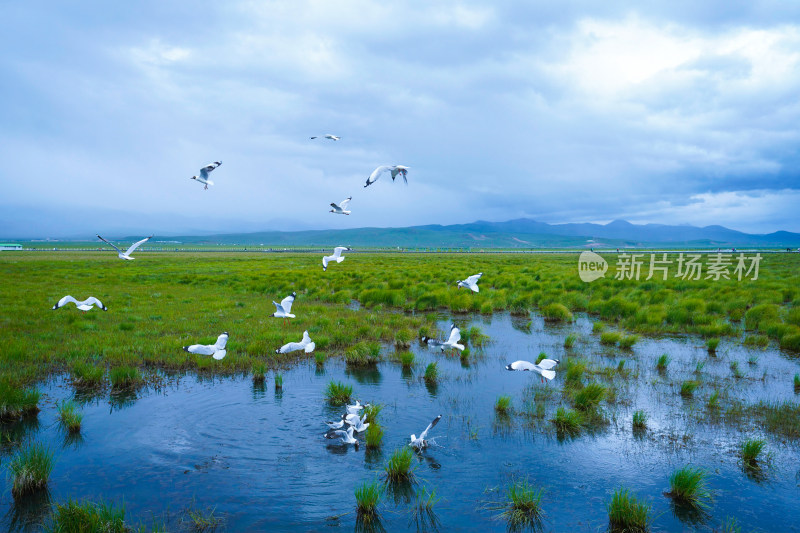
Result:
pixel 85 305
pixel 354 409
pixel 341 208
pixel 345 436
pixel 543 368
pixel 394 169
pixel 204 172
pixel 339 424
pixel 305 344
pixel 127 253
pixel 357 423
pixel 328 136
pixel 471 282
pixel 420 442
pixel 216 350
pixel 337 256
pixel 284 309
pixel 450 344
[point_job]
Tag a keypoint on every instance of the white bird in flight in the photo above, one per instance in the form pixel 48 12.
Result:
pixel 346 436
pixel 394 169
pixel 471 282
pixel 328 136
pixel 216 350
pixel 450 344
pixel 420 442
pixel 305 344
pixel 339 424
pixel 354 409
pixel 543 368
pixel 85 305
pixel 204 172
pixel 341 207
pixel 337 256
pixel 126 254
pixel 284 309
pixel 358 424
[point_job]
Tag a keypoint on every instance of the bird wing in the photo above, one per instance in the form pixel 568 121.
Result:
pixel 377 172
pixel 94 301
pixel 291 347
pixel 287 302
pixel 137 244
pixel 325 260
pixel 334 433
pixel 547 364
pixel 310 347
pixel 345 202
pixel 472 280
pixel 222 340
pixel 278 307
pixel 336 206
pixel 455 335
pixel 521 365
pixel 219 354
pixel 306 338
pixel 547 374
pixel 337 252
pixel 105 241
pixel 64 301
pixel 201 349
pixel 433 342
pixel 427 429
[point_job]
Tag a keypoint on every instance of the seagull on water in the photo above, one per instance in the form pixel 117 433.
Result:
pixel 354 409
pixel 345 436
pixel 420 442
pixel 85 305
pixel 204 172
pixel 341 208
pixel 471 282
pixel 328 136
pixel 337 256
pixel 543 368
pixel 284 309
pixel 127 253
pixel 394 169
pixel 339 424
pixel 216 350
pixel 358 424
pixel 450 344
pixel 305 344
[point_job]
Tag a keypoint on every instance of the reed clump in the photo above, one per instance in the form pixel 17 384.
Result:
pixel 368 496
pixel 503 404
pixel 523 507
pixel 662 362
pixel 639 420
pixel 69 417
pixel 399 467
pixel 125 377
pixel 711 345
pixel 87 517
pixel 374 436
pixel 610 338
pixel 432 373
pixel 30 469
pixel 568 420
pixel 259 372
pixel 16 402
pixel 750 452
pixel 627 513
pixel 569 340
pixel 556 312
pixel 590 396
pixel 688 485
pixel 688 387
pixel 338 393
pixel 627 342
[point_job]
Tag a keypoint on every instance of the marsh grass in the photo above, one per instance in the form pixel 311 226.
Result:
pixel 503 404
pixel 86 517
pixel 30 469
pixel 476 337
pixel 374 436
pixel 432 373
pixel 68 416
pixel 781 418
pixel 737 373
pixel 556 312
pixel 278 381
pixel 711 345
pixel 598 327
pixel 569 340
pixel 568 421
pixel 398 468
pixel 364 354
pixel 627 513
pixel 688 486
pixel 627 342
pixel 523 506
pixel 610 338
pixel 750 452
pixel 125 377
pixel 662 362
pixel 319 358
pixel 713 401
pixel 752 360
pixel 368 496
pixel 590 396
pixel 688 387
pixel 201 520
pixel 86 375
pixel 573 373
pixel 16 402
pixel 406 359
pixel 639 420
pixel 337 393
pixel 424 514
pixel 797 382
pixel 259 372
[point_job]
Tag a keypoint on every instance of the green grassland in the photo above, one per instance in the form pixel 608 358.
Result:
pixel 161 302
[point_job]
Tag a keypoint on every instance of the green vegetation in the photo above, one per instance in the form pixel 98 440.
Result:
pixel 711 345
pixel 398 468
pixel 688 387
pixel 569 340
pixel 628 341
pixel 364 354
pixel 68 416
pixel 368 496
pixel 259 372
pixel 85 375
pixel 30 469
pixel 688 486
pixel 713 401
pixel 503 404
pixel 432 373
pixel 16 402
pixel 338 393
pixel 86 517
pixel 626 513
pixel 663 361
pixel 568 420
pixel 278 381
pixel 406 359
pixel 750 451
pixel 374 436
pixel 610 338
pixel 372 411
pixel 797 382
pixel 523 507
pixel 124 377
pixel 639 420
pixel 556 312
pixel 590 396
pixel 319 358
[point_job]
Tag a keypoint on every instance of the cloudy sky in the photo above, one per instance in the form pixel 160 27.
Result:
pixel 684 113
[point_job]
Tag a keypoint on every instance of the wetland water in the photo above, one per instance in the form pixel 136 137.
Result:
pixel 259 459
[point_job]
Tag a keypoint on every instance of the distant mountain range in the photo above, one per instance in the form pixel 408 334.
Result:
pixel 520 233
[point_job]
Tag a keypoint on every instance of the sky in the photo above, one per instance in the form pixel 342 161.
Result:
pixel 682 112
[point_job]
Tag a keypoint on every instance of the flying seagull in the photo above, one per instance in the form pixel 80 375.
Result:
pixel 339 424
pixel 341 208
pixel 329 136
pixel 394 169
pixel 204 172
pixel 216 350
pixel 471 282
pixel 304 344
pixel 284 309
pixel 358 424
pixel 85 305
pixel 354 409
pixel 420 442
pixel 543 368
pixel 345 436
pixel 126 254
pixel 450 344
pixel 337 256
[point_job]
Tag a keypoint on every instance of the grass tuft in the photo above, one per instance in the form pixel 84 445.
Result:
pixel 259 372
pixel 711 344
pixel 639 420
pixel 87 517
pixel 16 402
pixel 663 362
pixel 569 341
pixel 627 513
pixel 750 451
pixel 368 496
pixel 523 508
pixel 503 404
pixel 399 466
pixel 124 377
pixel 688 387
pixel 68 416
pixel 432 373
pixel 688 486
pixel 86 375
pixel 568 420
pixel 374 435
pixel 590 396
pixel 30 469
pixel 278 381
pixel 337 393
pixel 610 338
pixel 406 359
pixel 627 342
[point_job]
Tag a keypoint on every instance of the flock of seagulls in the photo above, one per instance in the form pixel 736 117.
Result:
pixel 354 425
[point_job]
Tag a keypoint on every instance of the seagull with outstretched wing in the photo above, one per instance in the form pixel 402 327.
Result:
pixel 544 367
pixel 216 350
pixel 341 207
pixel 420 442
pixel 450 344
pixel 393 169
pixel 127 253
pixel 284 309
pixel 471 282
pixel 306 344
pixel 328 136
pixel 85 305
pixel 204 172
pixel 337 256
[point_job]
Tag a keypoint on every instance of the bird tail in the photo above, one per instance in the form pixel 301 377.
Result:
pixel 548 374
